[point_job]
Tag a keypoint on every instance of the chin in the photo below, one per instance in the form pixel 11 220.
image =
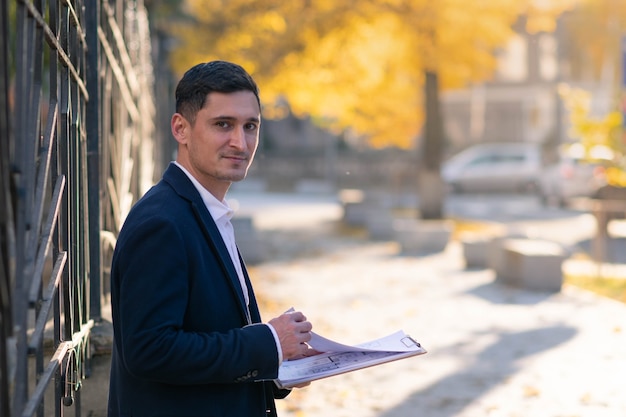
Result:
pixel 236 177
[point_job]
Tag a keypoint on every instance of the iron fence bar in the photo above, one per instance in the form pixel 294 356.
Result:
pixel 130 75
pixel 84 218
pixel 93 131
pixel 77 213
pixel 75 344
pixel 54 43
pixel 40 189
pixel 63 140
pixel 76 235
pixel 38 354
pixel 46 239
pixel 47 299
pixel 22 179
pixel 75 20
pixel 37 396
pixel 37 174
pixel 125 90
pixel 54 13
pixel 85 243
pixel 6 226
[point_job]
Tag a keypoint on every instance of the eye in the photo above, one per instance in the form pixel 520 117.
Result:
pixel 223 124
pixel 251 126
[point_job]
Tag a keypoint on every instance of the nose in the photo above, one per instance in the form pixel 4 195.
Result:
pixel 238 138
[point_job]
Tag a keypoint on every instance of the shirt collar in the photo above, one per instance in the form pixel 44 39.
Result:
pixel 219 210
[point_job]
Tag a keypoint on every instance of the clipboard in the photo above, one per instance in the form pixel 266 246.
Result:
pixel 337 358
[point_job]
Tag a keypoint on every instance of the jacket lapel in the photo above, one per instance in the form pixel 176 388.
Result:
pixel 253 309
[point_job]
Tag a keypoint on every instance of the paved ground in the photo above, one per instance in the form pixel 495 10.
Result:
pixel 493 350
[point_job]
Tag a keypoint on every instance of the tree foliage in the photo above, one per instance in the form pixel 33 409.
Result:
pixel 597 133
pixel 596 27
pixel 358 65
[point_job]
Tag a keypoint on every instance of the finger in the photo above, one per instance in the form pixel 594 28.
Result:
pixel 297 316
pixel 303 326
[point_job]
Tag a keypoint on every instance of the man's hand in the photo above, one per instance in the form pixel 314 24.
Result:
pixel 293 331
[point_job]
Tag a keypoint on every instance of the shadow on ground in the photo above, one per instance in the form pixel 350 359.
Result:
pixel 490 368
pixel 502 294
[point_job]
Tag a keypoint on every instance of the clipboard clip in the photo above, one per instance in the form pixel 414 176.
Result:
pixel 408 341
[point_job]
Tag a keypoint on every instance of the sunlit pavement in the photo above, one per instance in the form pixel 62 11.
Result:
pixel 277 211
pixel 493 350
pixel 520 213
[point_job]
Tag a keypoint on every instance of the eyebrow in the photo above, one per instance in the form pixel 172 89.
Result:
pixel 250 119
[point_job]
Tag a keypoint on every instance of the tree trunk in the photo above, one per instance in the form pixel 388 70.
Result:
pixel 431 189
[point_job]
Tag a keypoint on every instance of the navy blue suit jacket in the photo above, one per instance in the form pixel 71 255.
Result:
pixel 182 343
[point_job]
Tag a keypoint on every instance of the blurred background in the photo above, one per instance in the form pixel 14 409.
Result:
pixel 380 94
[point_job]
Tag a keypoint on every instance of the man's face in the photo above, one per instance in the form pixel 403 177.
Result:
pixel 220 146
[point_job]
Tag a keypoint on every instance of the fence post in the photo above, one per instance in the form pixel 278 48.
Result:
pixel 6 323
pixel 92 23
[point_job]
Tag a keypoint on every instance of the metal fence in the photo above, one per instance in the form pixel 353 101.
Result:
pixel 77 146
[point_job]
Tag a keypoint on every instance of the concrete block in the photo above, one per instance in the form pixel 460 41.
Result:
pixel 533 264
pixel 379 224
pixel 495 254
pixel 248 240
pixel 359 213
pixel 355 213
pixel 496 259
pixel 417 236
pixel 476 250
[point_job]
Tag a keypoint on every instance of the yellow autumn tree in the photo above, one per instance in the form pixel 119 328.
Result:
pixel 351 64
pixel 597 132
pixel 371 67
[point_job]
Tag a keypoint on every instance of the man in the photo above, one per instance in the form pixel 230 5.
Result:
pixel 188 338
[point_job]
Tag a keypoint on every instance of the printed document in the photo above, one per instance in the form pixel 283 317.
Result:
pixel 337 358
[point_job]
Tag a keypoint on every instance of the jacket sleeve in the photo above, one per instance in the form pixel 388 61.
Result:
pixel 154 300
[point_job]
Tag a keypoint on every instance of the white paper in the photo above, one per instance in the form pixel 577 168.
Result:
pixel 396 342
pixel 337 358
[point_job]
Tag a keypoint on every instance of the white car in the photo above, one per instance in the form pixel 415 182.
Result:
pixel 574 175
pixel 495 167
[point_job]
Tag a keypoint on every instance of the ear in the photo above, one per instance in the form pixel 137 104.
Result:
pixel 180 128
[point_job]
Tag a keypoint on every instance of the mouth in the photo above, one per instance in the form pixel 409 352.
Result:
pixel 236 158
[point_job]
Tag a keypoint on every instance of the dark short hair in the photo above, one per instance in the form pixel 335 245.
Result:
pixel 208 77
